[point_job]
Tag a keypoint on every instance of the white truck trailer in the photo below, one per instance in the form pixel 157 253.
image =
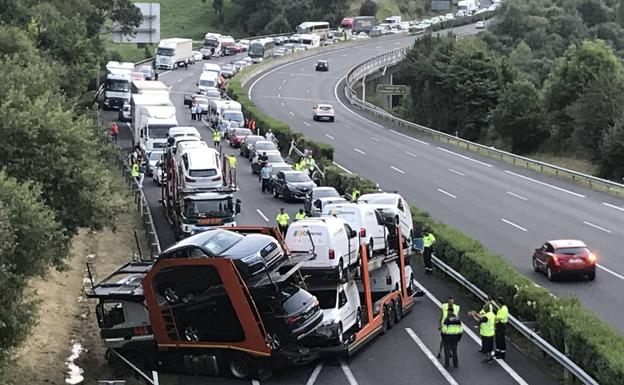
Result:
pixel 117 84
pixel 172 53
pixel 467 7
pixel 152 117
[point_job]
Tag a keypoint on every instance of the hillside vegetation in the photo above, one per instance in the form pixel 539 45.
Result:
pixel 546 76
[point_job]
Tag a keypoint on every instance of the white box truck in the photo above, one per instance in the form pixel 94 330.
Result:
pixel 149 87
pixel 171 53
pixel 152 117
pixel 467 7
pixel 117 84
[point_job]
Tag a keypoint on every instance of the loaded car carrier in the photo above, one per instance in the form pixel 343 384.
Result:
pixel 139 320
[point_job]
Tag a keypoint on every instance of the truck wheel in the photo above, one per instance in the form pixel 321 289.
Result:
pixel 340 334
pixel 275 193
pixel 241 366
pixel 384 322
pixel 591 276
pixel 398 313
pixel 358 320
pixel 391 313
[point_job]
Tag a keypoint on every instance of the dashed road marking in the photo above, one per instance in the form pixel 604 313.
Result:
pixel 409 137
pixel 545 184
pixel 330 137
pixel 375 139
pixel 262 215
pixel 410 154
pixel 315 374
pixel 397 170
pixel 613 206
pixel 348 373
pixel 360 151
pixel 447 376
pixel 597 227
pixel 291 114
pixel 517 196
pixel 464 157
pixel 307 124
pixel 513 224
pixel 456 172
pixel 620 276
pixel 447 193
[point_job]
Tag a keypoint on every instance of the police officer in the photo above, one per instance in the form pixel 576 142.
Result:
pixel 282 221
pixel 300 215
pixel 453 331
pixel 502 316
pixel 428 241
pixel 486 319
pixel 355 194
pixel 450 304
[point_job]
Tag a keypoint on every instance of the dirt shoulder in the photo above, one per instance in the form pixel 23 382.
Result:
pixel 66 316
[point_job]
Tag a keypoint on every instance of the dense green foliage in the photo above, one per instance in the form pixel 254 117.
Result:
pixel 54 177
pixel 545 76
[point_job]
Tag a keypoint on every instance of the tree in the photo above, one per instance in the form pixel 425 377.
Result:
pixel 620 12
pixel 369 8
pixel 612 152
pixel 278 25
pixel 518 117
pixel 593 12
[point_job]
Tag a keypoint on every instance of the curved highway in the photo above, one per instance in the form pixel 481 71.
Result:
pixel 406 355
pixel 510 209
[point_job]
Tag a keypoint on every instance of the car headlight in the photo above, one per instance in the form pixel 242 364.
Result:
pixel 187 228
pixel 252 257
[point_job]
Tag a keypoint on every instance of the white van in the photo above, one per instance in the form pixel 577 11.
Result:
pixel 333 241
pixel 393 207
pixel 212 67
pixel 207 80
pixel 341 308
pixel 199 168
pixel 364 219
pixel 310 41
pixel 183 134
pixel 220 107
pixel 387 279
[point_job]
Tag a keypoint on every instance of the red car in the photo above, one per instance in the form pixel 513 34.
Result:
pixel 237 136
pixel 565 257
pixel 238 48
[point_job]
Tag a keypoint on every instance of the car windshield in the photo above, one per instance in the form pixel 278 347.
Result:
pixel 325 193
pixel 327 298
pixel 275 158
pixel 165 51
pixel 572 250
pixel 212 94
pixel 202 101
pixel 325 108
pixel 211 43
pixel 297 177
pixel 234 116
pixel 256 50
pixel 276 169
pixel 251 139
pixel 158 132
pixel 203 173
pixel 207 83
pixel 196 209
pixel 242 132
pixel 265 146
pixel 155 155
pixel 221 241
pixel 294 299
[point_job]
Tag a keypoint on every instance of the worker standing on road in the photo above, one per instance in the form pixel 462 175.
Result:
pixel 270 136
pixel 355 194
pixel 114 131
pixel 428 241
pixel 232 169
pixel 450 304
pixel 193 111
pixel 300 215
pixel 452 330
pixel 134 170
pixel 299 166
pixel 500 328
pixel 282 221
pixel 142 170
pixel 216 139
pixel 310 164
pixel 486 319
pixel 265 176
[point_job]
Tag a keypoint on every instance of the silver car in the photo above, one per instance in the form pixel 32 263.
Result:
pixel 323 111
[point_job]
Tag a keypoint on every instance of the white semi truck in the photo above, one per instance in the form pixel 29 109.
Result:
pixel 117 84
pixel 467 7
pixel 211 46
pixel 152 117
pixel 172 53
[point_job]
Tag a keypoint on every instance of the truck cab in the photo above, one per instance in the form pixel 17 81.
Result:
pixel 201 211
pixel 117 84
pixel 154 123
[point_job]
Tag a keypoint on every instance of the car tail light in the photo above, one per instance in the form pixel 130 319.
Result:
pixel 362 232
pixel 293 319
pixel 591 258
pixel 332 254
pixel 217 178
pixel 140 331
pixel 388 280
pixel 555 260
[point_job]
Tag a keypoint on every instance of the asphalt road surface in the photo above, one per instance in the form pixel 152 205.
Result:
pixel 396 358
pixel 510 209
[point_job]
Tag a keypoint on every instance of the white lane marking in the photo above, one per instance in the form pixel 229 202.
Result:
pixel 613 206
pixel 345 54
pixel 330 137
pixel 279 95
pixel 347 108
pixel 279 88
pixel 179 80
pixel 282 103
pixel 447 376
pixel 164 73
pixel 610 271
pixel 348 373
pixel 409 137
pixel 545 184
pixel 410 154
pixel 375 139
pixel 308 91
pixel 447 193
pixel 513 224
pixel 291 114
pixel 597 227
pixel 456 172
pixel 512 373
pixel 262 215
pixel 307 124
pixel 255 382
pixel 284 81
pixel 378 47
pixel 360 151
pixel 464 157
pixel 397 169
pixel 341 167
pixel 315 374
pixel 516 195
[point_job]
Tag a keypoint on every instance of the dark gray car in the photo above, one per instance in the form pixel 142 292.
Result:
pixel 292 185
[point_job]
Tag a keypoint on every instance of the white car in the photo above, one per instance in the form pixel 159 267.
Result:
pixel 449 16
pixel 153 157
pixel 480 25
pixel 157 174
pixel 341 309
pixel 125 113
pixel 197 57
pixel 394 209
pixel 323 111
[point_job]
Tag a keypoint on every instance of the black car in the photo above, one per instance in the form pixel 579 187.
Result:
pixel 272 158
pixel 292 185
pixel 251 253
pixel 322 65
pixel 248 143
pixel 289 313
pixel 262 146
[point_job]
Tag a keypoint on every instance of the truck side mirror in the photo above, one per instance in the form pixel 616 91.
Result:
pixel 238 206
pixel 353 234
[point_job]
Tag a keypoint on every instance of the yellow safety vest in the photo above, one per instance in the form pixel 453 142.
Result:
pixel 134 171
pixel 486 329
pixel 216 136
pixel 300 215
pixel 232 161
pixel 445 311
pixel 355 194
pixel 299 165
pixel 428 240
pixel 502 315
pixel 282 219
pixel 453 329
pixel 311 163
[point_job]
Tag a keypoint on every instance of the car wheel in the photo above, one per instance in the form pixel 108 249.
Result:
pixel 331 119
pixel 169 293
pixel 241 366
pixel 535 265
pixel 384 317
pixel 314 118
pixel 398 310
pixel 371 249
pixel 191 334
pixel 551 275
pixel 358 320
pixel 411 286
pixel 339 334
pixel 391 315
pixel 275 193
pixel 274 340
pixel 340 271
pixel 591 276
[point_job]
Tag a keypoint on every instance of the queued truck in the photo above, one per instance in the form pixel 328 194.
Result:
pixel 152 117
pixel 211 46
pixel 174 52
pixel 359 23
pixel 202 315
pixel 117 84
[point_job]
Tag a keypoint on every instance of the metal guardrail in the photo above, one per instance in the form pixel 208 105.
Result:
pixel 372 65
pixel 541 343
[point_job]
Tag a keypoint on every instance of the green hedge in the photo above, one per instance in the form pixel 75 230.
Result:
pixel 592 343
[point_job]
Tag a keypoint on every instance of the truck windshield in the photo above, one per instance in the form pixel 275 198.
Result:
pixel 207 83
pixel 234 116
pixel 214 208
pixel 117 85
pixel 165 51
pixel 256 50
pixel 211 43
pixel 158 131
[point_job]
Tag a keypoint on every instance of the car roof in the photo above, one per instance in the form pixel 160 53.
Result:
pixel 292 172
pixel 559 243
pixel 324 105
pixel 270 152
pixel 323 188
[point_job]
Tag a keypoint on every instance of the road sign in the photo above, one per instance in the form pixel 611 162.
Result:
pixel 391 89
pixel 149 30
